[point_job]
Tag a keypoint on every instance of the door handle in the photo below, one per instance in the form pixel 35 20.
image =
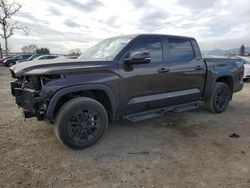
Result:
pixel 163 70
pixel 199 67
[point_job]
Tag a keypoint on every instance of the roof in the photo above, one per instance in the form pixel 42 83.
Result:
pixel 151 34
pixel 166 35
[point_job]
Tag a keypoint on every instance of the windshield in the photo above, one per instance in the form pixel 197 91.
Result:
pixel 106 50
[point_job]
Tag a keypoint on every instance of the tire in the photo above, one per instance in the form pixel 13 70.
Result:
pixel 219 99
pixel 80 122
pixel 245 79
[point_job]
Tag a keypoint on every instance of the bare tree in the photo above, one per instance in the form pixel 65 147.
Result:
pixel 7 10
pixel 42 51
pixel 75 52
pixel 30 49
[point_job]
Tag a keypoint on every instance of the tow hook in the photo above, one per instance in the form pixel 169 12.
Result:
pixel 28 114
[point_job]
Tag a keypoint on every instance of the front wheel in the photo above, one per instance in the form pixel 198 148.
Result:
pixel 219 99
pixel 81 122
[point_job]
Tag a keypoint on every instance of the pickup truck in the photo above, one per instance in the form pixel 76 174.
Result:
pixel 131 77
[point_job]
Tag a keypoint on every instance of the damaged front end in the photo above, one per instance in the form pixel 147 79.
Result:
pixel 29 94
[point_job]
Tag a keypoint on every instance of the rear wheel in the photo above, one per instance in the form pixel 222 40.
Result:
pixel 81 122
pixel 219 99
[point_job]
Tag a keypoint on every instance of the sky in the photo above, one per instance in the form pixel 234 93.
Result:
pixel 62 25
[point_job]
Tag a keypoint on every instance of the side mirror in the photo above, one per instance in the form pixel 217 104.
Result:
pixel 138 57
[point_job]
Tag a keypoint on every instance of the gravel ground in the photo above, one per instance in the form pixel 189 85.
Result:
pixel 190 149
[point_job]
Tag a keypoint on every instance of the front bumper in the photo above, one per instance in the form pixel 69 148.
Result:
pixel 26 99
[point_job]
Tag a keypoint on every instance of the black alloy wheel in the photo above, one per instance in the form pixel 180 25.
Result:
pixel 220 98
pixel 81 122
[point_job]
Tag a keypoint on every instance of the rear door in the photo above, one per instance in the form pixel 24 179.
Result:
pixel 185 70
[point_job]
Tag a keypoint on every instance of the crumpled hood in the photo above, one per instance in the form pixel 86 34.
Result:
pixel 37 67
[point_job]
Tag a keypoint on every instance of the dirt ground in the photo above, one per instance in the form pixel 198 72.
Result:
pixel 190 149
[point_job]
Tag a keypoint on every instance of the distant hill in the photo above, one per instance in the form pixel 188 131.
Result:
pixel 220 52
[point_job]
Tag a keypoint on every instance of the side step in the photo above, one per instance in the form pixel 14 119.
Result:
pixel 187 107
pixel 136 117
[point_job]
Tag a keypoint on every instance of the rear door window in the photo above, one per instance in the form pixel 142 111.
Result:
pixel 196 49
pixel 181 50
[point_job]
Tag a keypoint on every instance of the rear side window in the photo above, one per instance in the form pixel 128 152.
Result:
pixel 196 49
pixel 52 57
pixel 181 50
pixel 151 45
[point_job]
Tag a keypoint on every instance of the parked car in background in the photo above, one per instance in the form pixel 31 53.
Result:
pixel 3 59
pixel 246 66
pixel 13 60
pixel 29 59
pixel 68 57
pixel 72 57
pixel 48 56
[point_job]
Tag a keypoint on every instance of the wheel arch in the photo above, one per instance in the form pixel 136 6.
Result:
pixel 212 79
pixel 92 90
pixel 227 79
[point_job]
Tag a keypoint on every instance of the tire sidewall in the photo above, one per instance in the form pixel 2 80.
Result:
pixel 217 89
pixel 65 114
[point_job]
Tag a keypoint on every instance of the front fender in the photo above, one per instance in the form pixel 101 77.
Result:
pixel 54 100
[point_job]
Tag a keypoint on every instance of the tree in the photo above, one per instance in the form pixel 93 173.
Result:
pixel 30 49
pixel 42 51
pixel 242 50
pixel 230 54
pixel 75 52
pixel 7 10
pixel 1 52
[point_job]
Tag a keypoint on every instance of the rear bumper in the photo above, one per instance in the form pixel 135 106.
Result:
pixel 246 73
pixel 238 86
pixel 238 80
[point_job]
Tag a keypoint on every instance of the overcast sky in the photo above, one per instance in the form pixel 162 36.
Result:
pixel 62 25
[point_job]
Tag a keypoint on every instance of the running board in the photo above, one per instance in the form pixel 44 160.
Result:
pixel 136 117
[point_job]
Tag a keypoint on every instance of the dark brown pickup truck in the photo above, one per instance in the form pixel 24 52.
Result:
pixel 133 77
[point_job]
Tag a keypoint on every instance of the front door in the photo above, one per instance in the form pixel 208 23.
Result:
pixel 140 83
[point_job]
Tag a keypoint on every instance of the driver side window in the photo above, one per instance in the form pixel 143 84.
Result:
pixel 151 45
